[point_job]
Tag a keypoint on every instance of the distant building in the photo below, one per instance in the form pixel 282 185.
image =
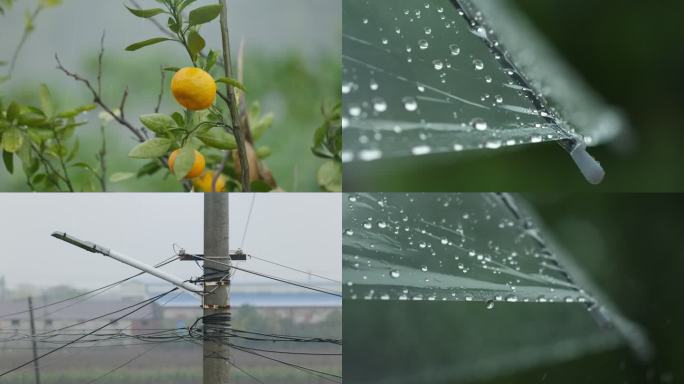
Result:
pixel 66 314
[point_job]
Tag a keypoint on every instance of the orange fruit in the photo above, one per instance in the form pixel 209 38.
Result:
pixel 193 88
pixel 203 182
pixel 197 165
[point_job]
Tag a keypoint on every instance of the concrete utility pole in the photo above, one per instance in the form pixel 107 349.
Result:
pixel 33 341
pixel 216 367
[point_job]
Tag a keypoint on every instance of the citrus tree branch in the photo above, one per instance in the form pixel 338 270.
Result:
pixel 232 102
pixel 97 99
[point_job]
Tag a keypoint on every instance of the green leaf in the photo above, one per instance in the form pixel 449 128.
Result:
pixel 8 159
pixel 178 118
pixel 172 69
pixel 145 43
pixel 217 137
pixel 204 14
pixel 330 176
pixel 263 152
pixel 12 111
pixel 145 13
pixel 149 169
pixel 50 3
pixel 157 122
pixel 76 111
pixel 184 4
pixel 195 43
pixel 184 161
pixel 261 126
pixel 117 177
pixel 233 82
pixel 173 25
pixel 156 147
pixel 12 140
pixel 85 166
pixel 211 60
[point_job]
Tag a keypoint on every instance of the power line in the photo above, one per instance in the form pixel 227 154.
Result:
pixel 124 364
pixel 147 302
pixel 273 278
pixel 249 216
pixel 295 269
pixel 103 289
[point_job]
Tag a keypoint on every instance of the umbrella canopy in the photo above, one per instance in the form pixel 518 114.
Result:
pixel 436 77
pixel 469 285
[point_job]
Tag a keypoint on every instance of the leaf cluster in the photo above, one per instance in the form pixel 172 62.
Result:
pixel 42 138
pixel 327 144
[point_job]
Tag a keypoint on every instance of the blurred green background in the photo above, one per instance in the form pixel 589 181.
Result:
pixel 626 52
pixel 630 247
pixel 292 66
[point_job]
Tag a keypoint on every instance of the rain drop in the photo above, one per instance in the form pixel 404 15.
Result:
pixel 479 124
pixel 379 104
pixel 454 49
pixel 479 65
pixel 409 103
pixel 394 274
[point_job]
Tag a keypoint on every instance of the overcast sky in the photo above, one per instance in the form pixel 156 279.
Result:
pixel 299 230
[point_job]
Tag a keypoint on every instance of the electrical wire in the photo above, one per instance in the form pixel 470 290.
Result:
pixel 249 216
pixel 103 289
pixel 295 269
pixel 313 288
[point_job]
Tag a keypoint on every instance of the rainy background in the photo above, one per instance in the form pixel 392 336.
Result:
pixel 628 59
pixel 628 246
pixel 292 66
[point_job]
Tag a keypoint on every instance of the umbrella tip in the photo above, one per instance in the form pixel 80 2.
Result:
pixel 590 168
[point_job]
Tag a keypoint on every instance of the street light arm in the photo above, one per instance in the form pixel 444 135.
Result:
pixel 95 248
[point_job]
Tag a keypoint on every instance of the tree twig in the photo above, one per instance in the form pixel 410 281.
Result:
pixel 67 179
pixel 24 37
pixel 161 90
pixel 101 158
pixel 99 64
pixel 98 100
pixel 123 103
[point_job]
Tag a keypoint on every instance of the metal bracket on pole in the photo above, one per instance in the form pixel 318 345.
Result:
pixel 219 283
pixel 237 255
pixel 95 248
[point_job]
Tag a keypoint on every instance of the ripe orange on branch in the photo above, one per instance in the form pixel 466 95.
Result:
pixel 193 88
pixel 203 183
pixel 197 166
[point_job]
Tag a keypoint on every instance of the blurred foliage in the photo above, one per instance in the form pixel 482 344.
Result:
pixel 625 56
pixel 629 244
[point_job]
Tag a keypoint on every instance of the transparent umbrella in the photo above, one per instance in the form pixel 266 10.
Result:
pixel 450 76
pixel 486 251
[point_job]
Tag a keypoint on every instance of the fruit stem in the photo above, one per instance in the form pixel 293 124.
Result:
pixel 232 102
